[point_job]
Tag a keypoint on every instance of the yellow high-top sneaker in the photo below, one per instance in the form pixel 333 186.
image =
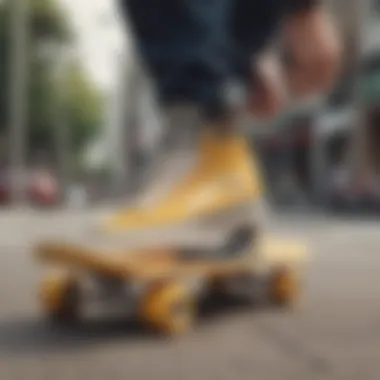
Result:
pixel 220 188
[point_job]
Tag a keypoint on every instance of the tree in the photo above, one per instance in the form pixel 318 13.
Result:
pixel 50 29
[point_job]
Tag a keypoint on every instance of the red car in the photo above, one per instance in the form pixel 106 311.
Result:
pixel 41 186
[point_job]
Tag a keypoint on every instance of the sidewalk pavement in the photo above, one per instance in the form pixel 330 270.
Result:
pixel 22 227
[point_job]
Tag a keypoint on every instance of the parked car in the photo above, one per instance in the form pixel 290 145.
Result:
pixel 42 188
pixel 358 196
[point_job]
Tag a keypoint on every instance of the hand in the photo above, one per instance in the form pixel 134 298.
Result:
pixel 268 91
pixel 312 41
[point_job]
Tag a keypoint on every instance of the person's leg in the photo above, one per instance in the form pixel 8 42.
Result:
pixel 185 46
pixel 253 25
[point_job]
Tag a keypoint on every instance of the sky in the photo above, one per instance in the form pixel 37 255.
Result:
pixel 100 37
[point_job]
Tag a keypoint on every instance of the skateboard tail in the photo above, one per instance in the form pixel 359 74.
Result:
pixel 80 258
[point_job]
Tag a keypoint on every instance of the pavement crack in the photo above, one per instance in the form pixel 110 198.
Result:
pixel 293 348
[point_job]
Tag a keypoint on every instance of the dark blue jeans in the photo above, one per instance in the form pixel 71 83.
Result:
pixel 193 49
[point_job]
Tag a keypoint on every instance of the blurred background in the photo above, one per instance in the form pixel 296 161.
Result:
pixel 72 95
pixel 78 125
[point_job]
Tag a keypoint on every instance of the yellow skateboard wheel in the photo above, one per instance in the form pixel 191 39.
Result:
pixel 284 287
pixel 59 295
pixel 168 308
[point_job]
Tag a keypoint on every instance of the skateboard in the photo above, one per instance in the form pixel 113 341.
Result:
pixel 163 287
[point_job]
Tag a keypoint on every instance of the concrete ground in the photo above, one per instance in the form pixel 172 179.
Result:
pixel 335 334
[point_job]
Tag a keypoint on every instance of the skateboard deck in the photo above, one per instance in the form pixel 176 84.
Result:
pixel 163 263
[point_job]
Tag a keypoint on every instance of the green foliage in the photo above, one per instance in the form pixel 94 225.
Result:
pixel 49 22
pixel 83 108
pixel 49 29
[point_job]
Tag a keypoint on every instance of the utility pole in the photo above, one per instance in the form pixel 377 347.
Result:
pixel 18 97
pixel 359 158
pixel 126 124
pixel 119 109
pixel 60 125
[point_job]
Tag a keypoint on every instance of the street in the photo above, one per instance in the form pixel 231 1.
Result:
pixel 334 333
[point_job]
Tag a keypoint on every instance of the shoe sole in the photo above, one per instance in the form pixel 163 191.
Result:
pixel 206 232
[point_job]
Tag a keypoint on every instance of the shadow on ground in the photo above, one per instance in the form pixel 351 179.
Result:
pixel 36 335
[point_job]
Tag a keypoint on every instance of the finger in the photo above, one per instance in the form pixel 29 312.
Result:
pixel 268 90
